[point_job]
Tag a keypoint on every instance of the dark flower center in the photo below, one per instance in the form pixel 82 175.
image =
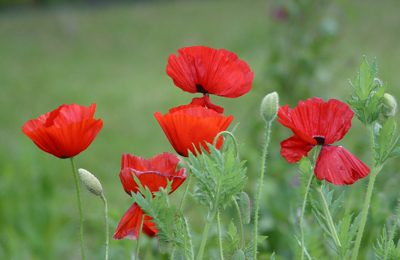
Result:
pixel 200 89
pixel 320 140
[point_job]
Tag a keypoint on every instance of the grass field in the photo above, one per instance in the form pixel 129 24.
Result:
pixel 115 56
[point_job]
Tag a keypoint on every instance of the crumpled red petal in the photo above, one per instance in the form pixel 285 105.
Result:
pixel 129 224
pixel 316 118
pixel 338 166
pixel 207 70
pixel 190 126
pixel 153 173
pixel 294 148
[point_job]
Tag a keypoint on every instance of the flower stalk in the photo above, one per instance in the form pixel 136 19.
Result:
pixel 328 216
pixel 221 250
pixel 204 238
pixel 303 209
pixel 139 238
pixel 260 184
pixel 367 201
pixel 78 196
pixel 364 212
pixel 103 198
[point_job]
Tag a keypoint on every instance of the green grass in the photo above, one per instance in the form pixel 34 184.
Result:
pixel 115 56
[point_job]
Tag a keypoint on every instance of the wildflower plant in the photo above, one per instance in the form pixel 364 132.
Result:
pixel 210 169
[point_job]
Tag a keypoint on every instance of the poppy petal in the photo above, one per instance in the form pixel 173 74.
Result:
pixel 187 127
pixel 65 131
pixel 205 101
pixel 208 70
pixel 338 166
pixel 314 117
pixel 153 173
pixel 294 148
pixel 129 225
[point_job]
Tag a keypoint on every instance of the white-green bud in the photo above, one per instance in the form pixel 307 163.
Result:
pixel 91 182
pixel 269 106
pixel 389 105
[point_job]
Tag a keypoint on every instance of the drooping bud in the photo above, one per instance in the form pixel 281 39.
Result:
pixel 269 106
pixel 91 182
pixel 389 105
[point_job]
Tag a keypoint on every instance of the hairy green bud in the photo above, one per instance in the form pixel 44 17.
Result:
pixel 91 182
pixel 389 105
pixel 269 106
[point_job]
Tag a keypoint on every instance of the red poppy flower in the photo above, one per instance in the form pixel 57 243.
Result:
pixel 189 126
pixel 315 122
pixel 65 131
pixel 153 174
pixel 207 70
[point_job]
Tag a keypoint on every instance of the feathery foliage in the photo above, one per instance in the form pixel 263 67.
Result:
pixel 368 91
pixel 387 141
pixel 387 247
pixel 220 175
pixel 173 230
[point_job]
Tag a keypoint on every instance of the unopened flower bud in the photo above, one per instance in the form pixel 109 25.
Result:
pixel 389 105
pixel 269 106
pixel 91 182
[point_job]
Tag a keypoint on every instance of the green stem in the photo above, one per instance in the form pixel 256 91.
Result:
pixel 204 239
pixel 364 212
pixel 189 238
pixel 78 196
pixel 106 223
pixel 221 250
pixel 303 209
pixel 328 216
pixel 240 222
pixel 260 185
pixel 189 181
pixel 367 200
pixel 139 238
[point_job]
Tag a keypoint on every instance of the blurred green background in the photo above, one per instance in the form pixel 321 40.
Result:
pixel 115 55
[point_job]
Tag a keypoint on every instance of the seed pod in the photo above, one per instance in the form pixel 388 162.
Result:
pixel 269 106
pixel 91 182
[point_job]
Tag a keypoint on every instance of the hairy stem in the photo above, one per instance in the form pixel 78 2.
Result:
pixel 189 181
pixel 78 196
pixel 367 200
pixel 260 185
pixel 204 239
pixel 221 250
pixel 328 217
pixel 364 212
pixel 139 238
pixel 188 235
pixel 106 223
pixel 303 209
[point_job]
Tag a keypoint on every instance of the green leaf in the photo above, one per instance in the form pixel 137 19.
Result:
pixel 172 226
pixel 366 99
pixel 232 238
pixel 220 175
pixel 387 141
pixel 244 205
pixel 239 255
